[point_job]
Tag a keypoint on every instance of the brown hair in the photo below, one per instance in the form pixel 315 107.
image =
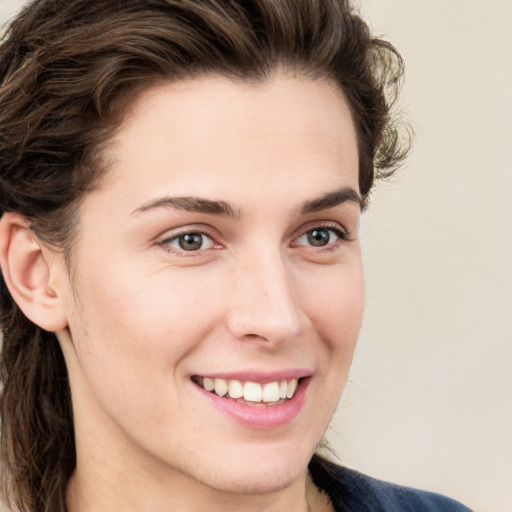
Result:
pixel 68 68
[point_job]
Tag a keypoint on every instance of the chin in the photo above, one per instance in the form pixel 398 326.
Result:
pixel 267 471
pixel 258 482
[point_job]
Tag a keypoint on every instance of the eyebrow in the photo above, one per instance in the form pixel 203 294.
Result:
pixel 212 207
pixel 331 200
pixel 190 204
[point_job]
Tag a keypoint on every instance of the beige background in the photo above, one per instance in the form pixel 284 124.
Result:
pixel 430 399
pixel 429 403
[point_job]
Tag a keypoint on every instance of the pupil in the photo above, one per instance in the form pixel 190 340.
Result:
pixel 191 241
pixel 318 237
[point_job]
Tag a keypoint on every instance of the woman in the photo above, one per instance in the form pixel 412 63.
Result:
pixel 182 182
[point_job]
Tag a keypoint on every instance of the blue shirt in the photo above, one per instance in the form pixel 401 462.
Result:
pixel 350 491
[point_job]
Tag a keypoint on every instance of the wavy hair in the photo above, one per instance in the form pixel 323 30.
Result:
pixel 68 71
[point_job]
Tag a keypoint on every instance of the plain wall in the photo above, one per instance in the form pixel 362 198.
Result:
pixel 429 402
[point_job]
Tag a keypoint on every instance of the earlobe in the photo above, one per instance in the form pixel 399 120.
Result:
pixel 28 273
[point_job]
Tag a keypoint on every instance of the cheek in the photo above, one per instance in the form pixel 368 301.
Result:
pixel 338 316
pixel 142 320
pixel 131 342
pixel 339 306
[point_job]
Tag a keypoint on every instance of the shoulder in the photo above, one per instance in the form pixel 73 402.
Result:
pixel 351 490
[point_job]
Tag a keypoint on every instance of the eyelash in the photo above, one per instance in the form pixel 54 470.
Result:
pixel 340 234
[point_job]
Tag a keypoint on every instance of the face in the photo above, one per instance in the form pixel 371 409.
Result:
pixel 221 252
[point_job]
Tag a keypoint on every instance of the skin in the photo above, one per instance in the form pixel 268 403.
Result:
pixel 141 315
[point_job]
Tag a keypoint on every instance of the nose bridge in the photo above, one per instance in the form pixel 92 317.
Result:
pixel 265 303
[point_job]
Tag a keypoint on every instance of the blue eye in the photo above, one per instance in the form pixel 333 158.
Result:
pixel 320 237
pixel 191 241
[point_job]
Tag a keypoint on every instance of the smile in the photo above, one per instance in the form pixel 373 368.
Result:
pixel 249 393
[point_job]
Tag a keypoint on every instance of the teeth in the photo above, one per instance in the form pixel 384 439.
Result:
pixel 251 391
pixel 292 386
pixel 208 384
pixel 271 392
pixel 283 389
pixel 236 389
pixel 221 387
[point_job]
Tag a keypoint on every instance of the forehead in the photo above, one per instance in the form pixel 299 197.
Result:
pixel 212 136
pixel 237 113
pixel 214 95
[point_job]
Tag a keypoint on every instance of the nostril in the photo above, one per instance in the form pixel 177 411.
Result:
pixel 255 337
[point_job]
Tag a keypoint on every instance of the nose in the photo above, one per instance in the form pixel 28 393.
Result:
pixel 265 302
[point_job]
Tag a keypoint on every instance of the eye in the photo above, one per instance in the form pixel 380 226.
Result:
pixel 321 237
pixel 190 241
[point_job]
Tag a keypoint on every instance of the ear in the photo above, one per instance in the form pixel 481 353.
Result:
pixel 32 273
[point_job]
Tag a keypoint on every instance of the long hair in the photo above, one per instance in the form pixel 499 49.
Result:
pixel 68 71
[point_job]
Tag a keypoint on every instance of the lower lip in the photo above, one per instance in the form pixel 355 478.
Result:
pixel 260 416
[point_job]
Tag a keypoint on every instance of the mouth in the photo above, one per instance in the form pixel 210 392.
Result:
pixel 248 392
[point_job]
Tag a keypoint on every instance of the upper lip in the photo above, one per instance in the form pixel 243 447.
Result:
pixel 259 376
